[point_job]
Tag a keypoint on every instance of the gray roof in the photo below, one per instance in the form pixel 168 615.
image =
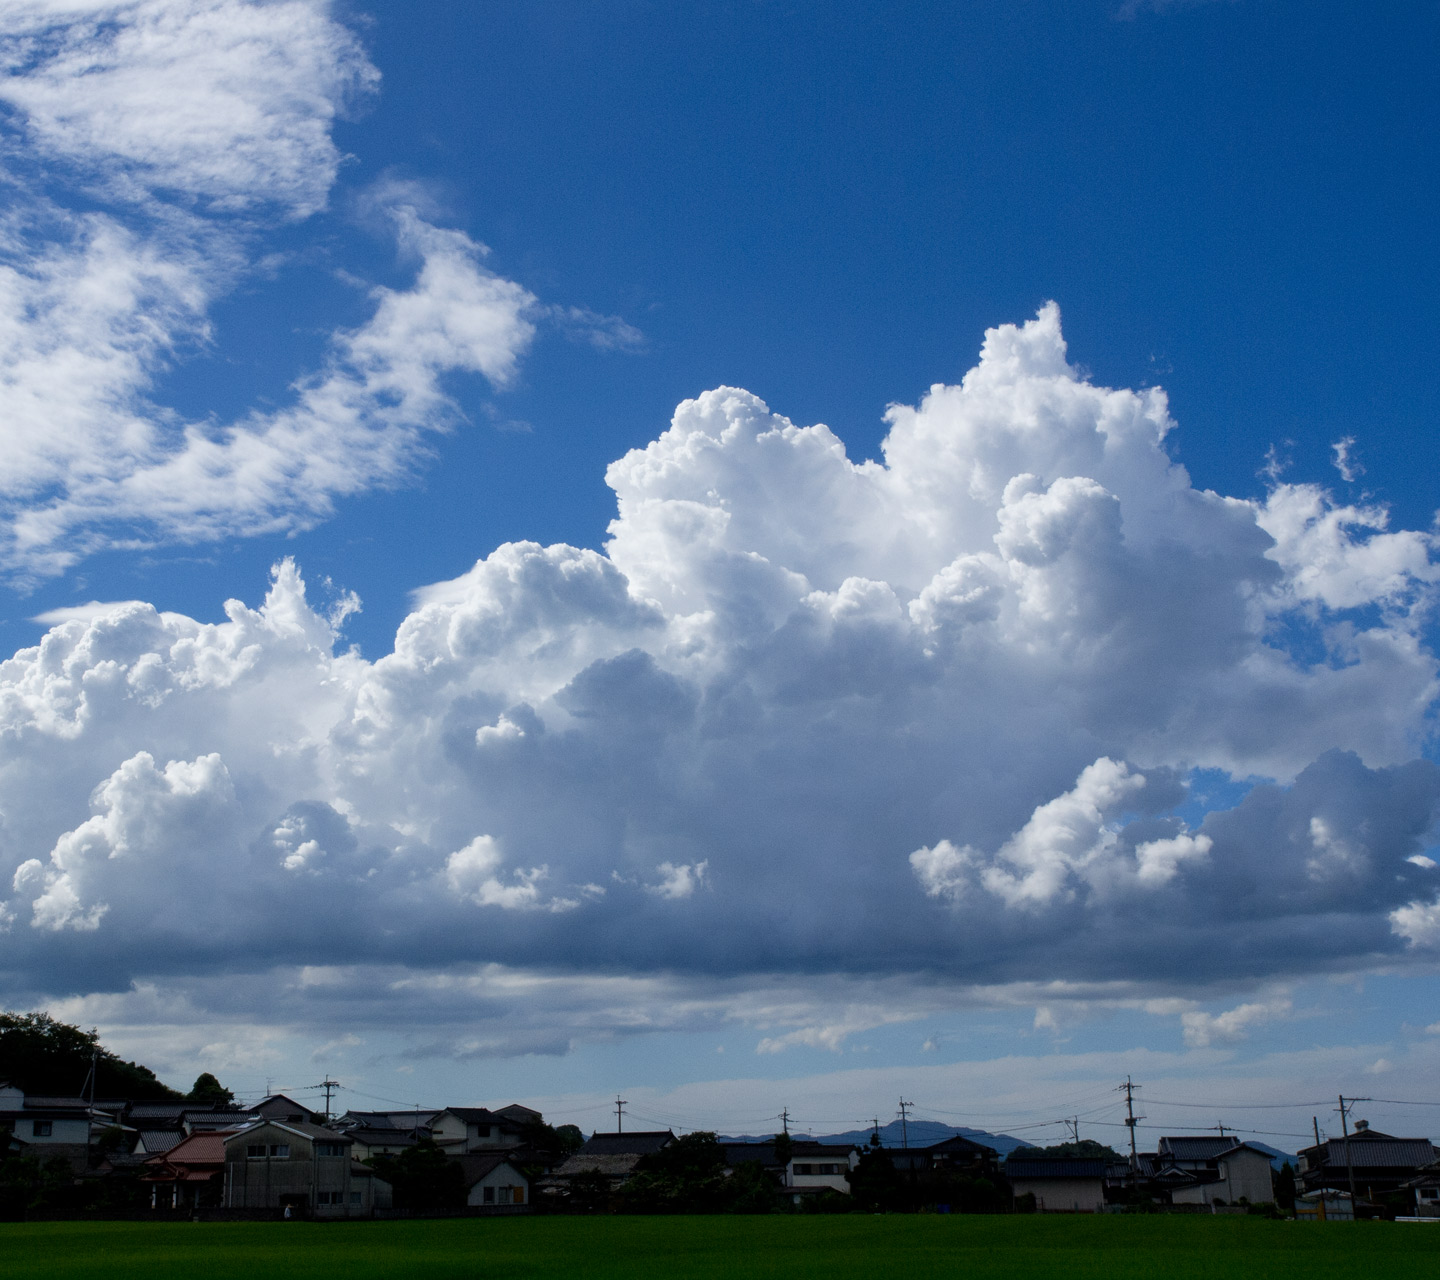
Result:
pixel 1206 1148
pixel 315 1132
pixel 401 1120
pixel 477 1115
pixel 809 1150
pixel 1052 1169
pixel 641 1143
pixel 382 1137
pixel 619 1166
pixel 154 1140
pixel 1387 1153
pixel 157 1110
pixel 475 1167
pixel 958 1144
pixel 212 1119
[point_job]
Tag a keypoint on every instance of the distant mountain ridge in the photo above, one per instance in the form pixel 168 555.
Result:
pixel 922 1133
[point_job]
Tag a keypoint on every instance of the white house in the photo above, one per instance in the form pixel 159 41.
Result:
pixel 492 1182
pixel 819 1166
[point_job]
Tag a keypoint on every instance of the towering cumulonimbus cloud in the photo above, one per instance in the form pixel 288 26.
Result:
pixel 932 718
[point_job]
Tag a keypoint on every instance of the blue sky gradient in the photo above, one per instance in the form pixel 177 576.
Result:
pixel 1136 756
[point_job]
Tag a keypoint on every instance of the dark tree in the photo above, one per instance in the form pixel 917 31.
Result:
pixel 750 1189
pixel 783 1149
pixel 687 1176
pixel 875 1186
pixel 422 1177
pixel 208 1089
pixel 52 1059
pixel 1285 1187
pixel 540 1136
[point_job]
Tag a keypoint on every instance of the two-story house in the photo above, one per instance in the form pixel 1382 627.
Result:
pixel 1221 1170
pixel 465 1130
pixel 48 1127
pixel 272 1164
pixel 819 1166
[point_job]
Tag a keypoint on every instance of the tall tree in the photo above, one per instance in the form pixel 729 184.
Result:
pixel 53 1059
pixel 208 1089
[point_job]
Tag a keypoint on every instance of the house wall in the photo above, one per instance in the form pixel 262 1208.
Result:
pixel 836 1181
pixel 322 1184
pixel 1063 1195
pixel 71 1131
pixel 453 1133
pixel 1248 1174
pixel 507 1186
pixel 448 1130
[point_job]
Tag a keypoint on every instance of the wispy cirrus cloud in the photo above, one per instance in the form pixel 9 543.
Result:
pixel 152 148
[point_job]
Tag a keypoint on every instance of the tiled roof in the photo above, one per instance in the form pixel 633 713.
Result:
pixel 1206 1148
pixel 402 1120
pixel 199 1148
pixel 960 1145
pixel 1053 1168
pixel 835 1150
pixel 1390 1153
pixel 218 1117
pixel 315 1132
pixel 640 1143
pixel 475 1167
pixel 620 1165
pixel 382 1137
pixel 154 1140
pixel 477 1115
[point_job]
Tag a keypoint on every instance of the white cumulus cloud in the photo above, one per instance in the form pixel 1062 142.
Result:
pixel 928 721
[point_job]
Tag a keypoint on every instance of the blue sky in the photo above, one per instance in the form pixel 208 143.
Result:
pixel 1083 722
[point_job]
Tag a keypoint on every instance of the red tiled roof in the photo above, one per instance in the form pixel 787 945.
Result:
pixel 207 1147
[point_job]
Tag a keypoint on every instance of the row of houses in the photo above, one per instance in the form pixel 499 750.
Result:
pixel 280 1156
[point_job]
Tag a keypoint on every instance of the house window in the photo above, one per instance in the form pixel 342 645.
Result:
pixel 804 1170
pixel 329 1148
pixel 489 1196
pixel 276 1150
pixel 482 1130
pixel 1430 1193
pixel 43 1128
pixel 354 1197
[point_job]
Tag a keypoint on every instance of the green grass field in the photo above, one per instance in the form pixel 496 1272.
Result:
pixel 1078 1248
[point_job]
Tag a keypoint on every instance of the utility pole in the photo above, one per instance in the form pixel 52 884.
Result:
pixel 1349 1166
pixel 1131 1120
pixel 1315 1120
pixel 620 1104
pixel 329 1086
pixel 1073 1124
pixel 875 1129
pixel 905 1142
pixel 90 1114
pixel 785 1121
